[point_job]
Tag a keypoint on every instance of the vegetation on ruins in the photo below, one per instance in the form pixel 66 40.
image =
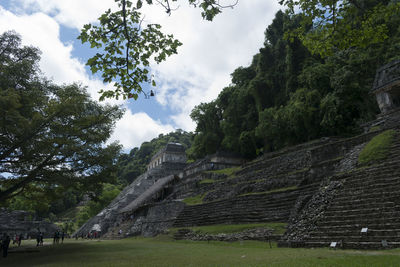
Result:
pixel 290 93
pixel 230 172
pixel 195 200
pixel 283 189
pixel 378 148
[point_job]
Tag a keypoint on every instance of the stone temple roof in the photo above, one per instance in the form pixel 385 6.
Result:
pixel 387 76
pixel 170 147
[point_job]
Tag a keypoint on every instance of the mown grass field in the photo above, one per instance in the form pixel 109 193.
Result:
pixel 163 251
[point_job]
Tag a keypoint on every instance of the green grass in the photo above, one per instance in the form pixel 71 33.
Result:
pixel 375 128
pixel 279 228
pixel 228 171
pixel 283 189
pixel 194 200
pixel 207 181
pixel 377 148
pixel 163 251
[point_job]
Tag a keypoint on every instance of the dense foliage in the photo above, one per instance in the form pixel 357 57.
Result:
pixel 133 164
pixel 289 95
pixel 52 138
pixel 339 24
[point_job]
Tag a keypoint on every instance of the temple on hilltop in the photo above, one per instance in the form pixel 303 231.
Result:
pixel 387 86
pixel 172 153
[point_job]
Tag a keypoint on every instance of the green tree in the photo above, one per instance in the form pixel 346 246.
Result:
pixel 208 132
pixel 331 25
pixel 128 44
pixel 51 136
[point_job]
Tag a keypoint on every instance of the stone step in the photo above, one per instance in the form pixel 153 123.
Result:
pixel 372 196
pixel 226 221
pixel 357 232
pixel 361 179
pixel 366 221
pixel 223 206
pixel 388 226
pixel 363 217
pixel 364 211
pixel 353 245
pixel 233 215
pixel 347 239
pixel 362 205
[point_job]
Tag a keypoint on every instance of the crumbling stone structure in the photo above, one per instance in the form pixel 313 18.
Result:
pixel 18 222
pixel 172 154
pixel 387 86
pixel 137 209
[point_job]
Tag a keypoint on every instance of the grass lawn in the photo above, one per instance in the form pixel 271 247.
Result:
pixel 162 251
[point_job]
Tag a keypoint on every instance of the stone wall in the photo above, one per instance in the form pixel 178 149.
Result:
pixel 156 218
pixel 23 222
pixel 171 153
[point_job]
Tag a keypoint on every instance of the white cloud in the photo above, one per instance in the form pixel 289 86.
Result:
pixel 210 52
pixel 71 13
pixel 134 129
pixel 42 31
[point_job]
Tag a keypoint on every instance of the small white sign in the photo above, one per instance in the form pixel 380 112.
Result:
pixel 364 230
pixel 333 244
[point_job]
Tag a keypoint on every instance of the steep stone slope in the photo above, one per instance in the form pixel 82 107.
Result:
pixel 110 216
pixel 365 197
pixel 273 188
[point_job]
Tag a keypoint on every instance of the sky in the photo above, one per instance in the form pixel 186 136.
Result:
pixel 211 51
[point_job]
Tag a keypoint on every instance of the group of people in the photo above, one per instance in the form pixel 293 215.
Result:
pixel 5 240
pixel 57 236
pixel 18 239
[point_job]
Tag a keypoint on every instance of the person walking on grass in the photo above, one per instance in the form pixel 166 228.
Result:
pixel 38 239
pixel 5 243
pixel 19 240
pixel 41 238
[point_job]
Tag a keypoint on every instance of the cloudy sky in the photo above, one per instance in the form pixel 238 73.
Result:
pixel 202 68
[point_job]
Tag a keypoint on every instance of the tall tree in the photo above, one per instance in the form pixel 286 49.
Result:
pixel 331 25
pixel 128 44
pixel 50 136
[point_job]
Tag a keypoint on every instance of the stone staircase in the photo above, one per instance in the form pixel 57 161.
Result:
pixel 270 207
pixel 113 233
pixel 369 199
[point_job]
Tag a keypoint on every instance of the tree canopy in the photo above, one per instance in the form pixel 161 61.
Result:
pixel 51 136
pixel 127 45
pixel 290 94
pixel 331 25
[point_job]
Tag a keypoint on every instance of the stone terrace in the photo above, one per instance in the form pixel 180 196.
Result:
pixel 368 198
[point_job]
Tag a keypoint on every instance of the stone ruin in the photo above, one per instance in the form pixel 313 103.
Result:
pixel 317 188
pixel 172 154
pixel 166 168
pixel 387 86
pixel 23 222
